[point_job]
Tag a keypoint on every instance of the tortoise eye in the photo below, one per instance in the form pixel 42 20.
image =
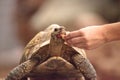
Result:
pixel 55 29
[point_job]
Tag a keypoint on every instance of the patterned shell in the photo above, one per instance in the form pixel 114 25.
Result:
pixel 41 39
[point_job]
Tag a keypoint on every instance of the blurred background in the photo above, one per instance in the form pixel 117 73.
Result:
pixel 20 20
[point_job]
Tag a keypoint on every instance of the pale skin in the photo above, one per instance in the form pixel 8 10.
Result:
pixel 92 37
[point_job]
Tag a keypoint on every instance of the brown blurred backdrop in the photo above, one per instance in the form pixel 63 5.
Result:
pixel 20 20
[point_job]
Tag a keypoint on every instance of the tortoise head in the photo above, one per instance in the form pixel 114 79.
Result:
pixel 56 41
pixel 58 34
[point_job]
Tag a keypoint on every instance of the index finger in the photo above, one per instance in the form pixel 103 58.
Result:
pixel 73 34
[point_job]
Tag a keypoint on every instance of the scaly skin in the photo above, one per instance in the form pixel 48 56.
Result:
pixel 21 70
pixel 85 67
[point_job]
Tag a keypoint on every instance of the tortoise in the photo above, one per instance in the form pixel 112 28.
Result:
pixel 48 56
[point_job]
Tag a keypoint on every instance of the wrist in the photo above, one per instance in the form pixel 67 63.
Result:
pixel 111 32
pixel 105 33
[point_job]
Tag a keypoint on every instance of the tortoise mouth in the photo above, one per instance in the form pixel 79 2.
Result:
pixel 61 35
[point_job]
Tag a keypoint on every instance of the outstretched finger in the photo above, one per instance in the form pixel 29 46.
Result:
pixel 73 34
pixel 76 40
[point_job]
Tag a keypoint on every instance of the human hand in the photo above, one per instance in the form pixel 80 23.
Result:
pixel 87 38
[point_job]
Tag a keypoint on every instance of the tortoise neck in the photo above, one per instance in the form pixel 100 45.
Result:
pixel 55 48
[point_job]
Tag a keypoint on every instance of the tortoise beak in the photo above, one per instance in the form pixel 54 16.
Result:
pixel 62 32
pixel 63 35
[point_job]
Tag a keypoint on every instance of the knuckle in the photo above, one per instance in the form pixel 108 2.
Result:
pixel 81 32
pixel 71 40
pixel 85 40
pixel 77 40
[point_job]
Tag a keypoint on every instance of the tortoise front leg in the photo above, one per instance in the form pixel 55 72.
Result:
pixel 85 67
pixel 21 70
